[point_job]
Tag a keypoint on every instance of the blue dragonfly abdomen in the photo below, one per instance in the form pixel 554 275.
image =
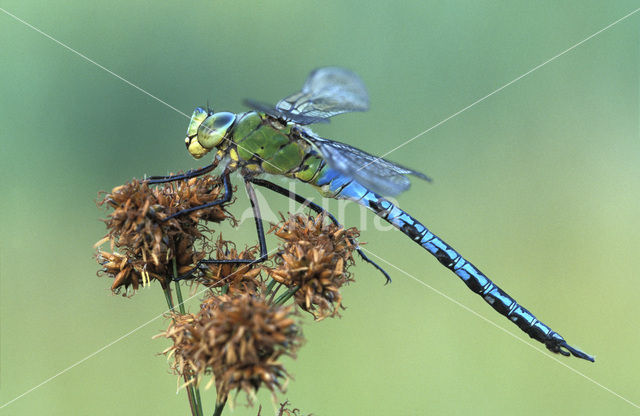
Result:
pixel 337 185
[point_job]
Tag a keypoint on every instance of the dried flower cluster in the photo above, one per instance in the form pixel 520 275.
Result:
pixel 149 243
pixel 238 339
pixel 242 329
pixel 237 277
pixel 314 258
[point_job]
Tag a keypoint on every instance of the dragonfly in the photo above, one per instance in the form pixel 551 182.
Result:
pixel 276 140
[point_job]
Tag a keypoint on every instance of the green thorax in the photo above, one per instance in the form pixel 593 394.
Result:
pixel 259 143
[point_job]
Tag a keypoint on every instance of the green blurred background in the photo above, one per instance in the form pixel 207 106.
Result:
pixel 538 185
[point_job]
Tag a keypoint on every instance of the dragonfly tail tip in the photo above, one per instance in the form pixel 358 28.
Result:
pixel 576 352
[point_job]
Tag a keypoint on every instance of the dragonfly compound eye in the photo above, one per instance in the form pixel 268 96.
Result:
pixel 213 129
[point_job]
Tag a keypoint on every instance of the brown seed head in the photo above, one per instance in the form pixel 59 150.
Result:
pixel 241 277
pixel 314 258
pixel 149 244
pixel 238 339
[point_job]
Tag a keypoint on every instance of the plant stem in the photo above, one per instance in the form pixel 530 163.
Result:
pixel 219 407
pixel 196 390
pixel 273 295
pixel 179 296
pixel 285 296
pixel 192 402
pixel 270 286
pixel 167 295
pixel 193 391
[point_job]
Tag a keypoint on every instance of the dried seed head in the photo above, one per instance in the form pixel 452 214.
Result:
pixel 240 277
pixel 150 244
pixel 314 258
pixel 238 339
pixel 125 273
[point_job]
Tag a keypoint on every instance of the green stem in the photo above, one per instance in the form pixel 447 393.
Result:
pixel 167 295
pixel 285 296
pixel 270 286
pixel 178 291
pixel 219 407
pixel 192 402
pixel 196 390
pixel 193 391
pixel 273 295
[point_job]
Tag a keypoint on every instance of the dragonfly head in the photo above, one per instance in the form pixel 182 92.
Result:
pixel 207 130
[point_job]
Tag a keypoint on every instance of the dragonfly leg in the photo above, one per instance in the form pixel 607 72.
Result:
pixel 317 208
pixel 187 175
pixel 258 220
pixel 228 193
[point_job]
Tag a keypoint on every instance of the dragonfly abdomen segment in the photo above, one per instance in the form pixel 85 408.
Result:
pixel 452 260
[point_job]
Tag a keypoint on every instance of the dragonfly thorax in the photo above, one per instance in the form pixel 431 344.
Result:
pixel 207 130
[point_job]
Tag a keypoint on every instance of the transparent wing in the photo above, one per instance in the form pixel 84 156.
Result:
pixel 274 112
pixel 376 174
pixel 326 92
pixel 264 108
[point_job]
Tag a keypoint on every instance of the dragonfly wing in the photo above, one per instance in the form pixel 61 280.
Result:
pixel 274 112
pixel 374 173
pixel 326 92
pixel 263 108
